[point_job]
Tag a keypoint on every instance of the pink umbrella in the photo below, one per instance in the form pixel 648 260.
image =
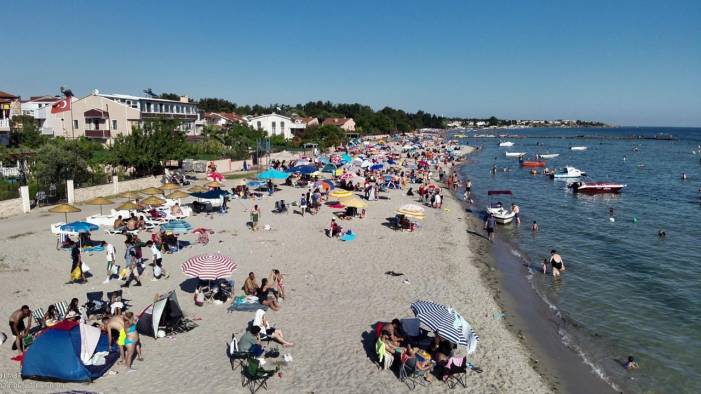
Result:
pixel 347 176
pixel 209 266
pixel 215 176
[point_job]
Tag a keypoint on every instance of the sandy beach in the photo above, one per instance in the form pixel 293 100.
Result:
pixel 336 291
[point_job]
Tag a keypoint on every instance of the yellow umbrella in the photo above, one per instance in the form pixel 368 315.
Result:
pixel 340 193
pixel 214 184
pixel 100 201
pixel 127 206
pixel 178 194
pixel 169 186
pixel 153 200
pixel 353 202
pixel 130 195
pixel 411 214
pixel 64 209
pixel 197 189
pixel 152 191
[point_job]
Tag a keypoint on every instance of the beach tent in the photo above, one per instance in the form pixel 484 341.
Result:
pixel 272 173
pixel 165 313
pixel 68 352
pixel 307 169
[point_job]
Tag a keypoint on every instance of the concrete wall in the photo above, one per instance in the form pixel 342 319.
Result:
pixel 88 193
pixel 10 207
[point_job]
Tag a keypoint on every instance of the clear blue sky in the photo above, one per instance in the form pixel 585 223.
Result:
pixel 626 62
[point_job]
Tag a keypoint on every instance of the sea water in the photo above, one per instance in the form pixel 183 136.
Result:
pixel 625 290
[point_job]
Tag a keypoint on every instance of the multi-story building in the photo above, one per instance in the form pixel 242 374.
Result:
pixel 106 116
pixel 275 124
pixel 39 107
pixel 9 106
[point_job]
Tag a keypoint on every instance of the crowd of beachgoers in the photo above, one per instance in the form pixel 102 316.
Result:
pixel 347 194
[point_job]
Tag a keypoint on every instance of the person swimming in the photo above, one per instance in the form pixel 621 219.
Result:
pixel 631 364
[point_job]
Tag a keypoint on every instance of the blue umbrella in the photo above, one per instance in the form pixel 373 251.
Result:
pixel 272 173
pixel 255 184
pixel 78 227
pixel 346 158
pixel 177 226
pixel 302 169
pixel 376 167
pixel 212 194
pixel 447 323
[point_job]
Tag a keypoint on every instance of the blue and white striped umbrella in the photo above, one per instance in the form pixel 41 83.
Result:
pixel 177 226
pixel 447 323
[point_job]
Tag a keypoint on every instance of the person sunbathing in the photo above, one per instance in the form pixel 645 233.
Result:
pixel 395 332
pixel 175 210
pixel 267 329
pixel 51 316
pixel 250 285
pixel 267 295
pixel 119 224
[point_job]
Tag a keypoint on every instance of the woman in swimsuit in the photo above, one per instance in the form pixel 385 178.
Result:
pixel 131 340
pixel 557 263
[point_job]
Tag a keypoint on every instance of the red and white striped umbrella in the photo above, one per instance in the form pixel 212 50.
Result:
pixel 209 266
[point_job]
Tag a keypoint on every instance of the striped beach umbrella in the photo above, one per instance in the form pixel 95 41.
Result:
pixel 209 266
pixel 448 323
pixel 177 226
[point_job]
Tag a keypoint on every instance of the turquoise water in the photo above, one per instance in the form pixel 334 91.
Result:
pixel 625 291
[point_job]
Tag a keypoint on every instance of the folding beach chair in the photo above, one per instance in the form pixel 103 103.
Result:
pixel 95 304
pixel 38 315
pixel 254 376
pixel 409 374
pixel 455 375
pixel 61 309
pixel 236 356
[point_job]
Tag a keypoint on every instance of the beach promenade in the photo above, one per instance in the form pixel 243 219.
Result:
pixel 335 291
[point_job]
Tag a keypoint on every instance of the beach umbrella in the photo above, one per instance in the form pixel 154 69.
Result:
pixel 302 169
pixel 215 176
pixel 335 159
pixel 177 226
pixel 353 202
pixel 411 210
pixel 78 227
pixel 178 194
pixel 197 189
pixel 127 206
pixel 64 209
pixel 376 167
pixel 153 201
pixel 301 162
pixel 272 173
pixel 169 186
pixel 152 191
pixel 130 195
pixel 100 201
pixel 340 193
pixel 347 176
pixel 345 158
pixel 209 266
pixel 448 323
pixel 214 184
pixel 328 184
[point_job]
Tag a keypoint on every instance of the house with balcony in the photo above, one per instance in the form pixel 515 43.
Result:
pixel 347 124
pixel 107 116
pixel 39 108
pixel 9 106
pixel 275 124
pixel 222 119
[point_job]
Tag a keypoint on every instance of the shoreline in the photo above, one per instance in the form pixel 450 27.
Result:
pixel 533 321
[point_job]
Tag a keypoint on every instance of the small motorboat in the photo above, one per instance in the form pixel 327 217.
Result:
pixel 531 163
pixel 501 214
pixel 597 187
pixel 567 172
pixel 548 156
pixel 515 154
pixel 578 148
pixel 506 144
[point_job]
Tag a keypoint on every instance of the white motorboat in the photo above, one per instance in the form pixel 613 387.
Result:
pixel 568 172
pixel 501 214
pixel 515 154
pixel 548 156
pixel 578 148
pixel 506 144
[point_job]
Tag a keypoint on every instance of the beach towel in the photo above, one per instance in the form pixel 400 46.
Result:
pixel 244 307
pixel 349 236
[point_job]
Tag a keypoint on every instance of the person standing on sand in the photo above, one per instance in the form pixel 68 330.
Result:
pixel 255 215
pixel 557 263
pixel 490 225
pixel 110 324
pixel 110 255
pixel 77 274
pixel 17 327
pixel 303 204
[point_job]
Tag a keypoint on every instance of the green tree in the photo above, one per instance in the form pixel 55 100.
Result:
pixel 59 161
pixel 170 96
pixel 25 132
pixel 148 147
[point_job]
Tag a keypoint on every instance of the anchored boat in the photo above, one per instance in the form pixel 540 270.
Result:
pixel 597 187
pixel 568 172
pixel 501 214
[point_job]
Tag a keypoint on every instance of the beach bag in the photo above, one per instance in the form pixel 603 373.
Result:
pixel 84 267
pixel 157 271
pixel 114 270
pixel 76 274
pixel 123 273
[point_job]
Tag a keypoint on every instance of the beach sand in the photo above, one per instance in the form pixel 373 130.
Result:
pixel 336 291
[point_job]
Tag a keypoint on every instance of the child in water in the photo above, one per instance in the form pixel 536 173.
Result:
pixel 630 364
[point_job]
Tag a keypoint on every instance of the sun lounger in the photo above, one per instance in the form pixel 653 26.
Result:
pixel 61 309
pixel 38 315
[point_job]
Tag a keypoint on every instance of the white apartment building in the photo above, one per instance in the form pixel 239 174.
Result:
pixel 275 124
